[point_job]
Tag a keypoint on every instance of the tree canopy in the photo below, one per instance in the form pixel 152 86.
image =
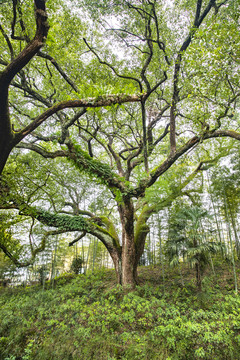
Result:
pixel 138 96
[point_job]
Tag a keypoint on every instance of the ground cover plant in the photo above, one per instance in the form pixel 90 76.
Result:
pixel 88 317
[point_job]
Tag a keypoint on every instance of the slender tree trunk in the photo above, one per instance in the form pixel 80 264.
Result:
pixel 94 253
pixel 231 245
pixel 86 267
pixel 235 231
pixel 214 211
pixel 161 252
pixel 83 258
pixel 54 261
pixel 154 250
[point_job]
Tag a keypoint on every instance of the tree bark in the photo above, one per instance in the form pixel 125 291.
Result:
pixel 128 246
pixel 117 261
pixel 11 70
pixel 133 242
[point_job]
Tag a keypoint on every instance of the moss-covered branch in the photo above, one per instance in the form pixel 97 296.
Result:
pixel 93 167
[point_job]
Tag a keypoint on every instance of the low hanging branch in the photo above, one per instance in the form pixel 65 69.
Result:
pixel 77 238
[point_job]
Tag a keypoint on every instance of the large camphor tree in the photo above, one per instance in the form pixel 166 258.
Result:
pixel 140 96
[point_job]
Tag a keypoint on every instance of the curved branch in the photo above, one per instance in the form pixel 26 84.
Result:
pixel 100 101
pixel 175 97
pixel 112 67
pixel 59 69
pixel 77 239
pixel 32 48
pixel 7 41
pixel 41 151
pixel 34 252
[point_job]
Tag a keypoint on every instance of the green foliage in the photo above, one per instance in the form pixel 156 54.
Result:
pixel 225 183
pixel 187 240
pixel 76 265
pixel 86 319
pixel 92 166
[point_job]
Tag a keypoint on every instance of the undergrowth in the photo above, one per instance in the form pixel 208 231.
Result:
pixel 87 317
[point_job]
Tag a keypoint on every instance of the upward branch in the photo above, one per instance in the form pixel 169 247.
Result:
pixel 7 75
pixel 175 97
pixel 32 48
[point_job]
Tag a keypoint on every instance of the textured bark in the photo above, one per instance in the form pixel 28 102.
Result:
pixel 100 101
pixel 128 246
pixel 6 134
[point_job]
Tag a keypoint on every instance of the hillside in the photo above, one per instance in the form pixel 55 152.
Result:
pixel 88 317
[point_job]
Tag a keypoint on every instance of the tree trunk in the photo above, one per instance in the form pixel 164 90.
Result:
pixel 235 231
pixel 129 256
pixel 231 244
pixel 6 134
pixel 117 261
pixel 4 151
pixel 129 266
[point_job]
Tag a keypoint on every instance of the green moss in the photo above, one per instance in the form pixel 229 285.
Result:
pixel 141 228
pixel 111 229
pixel 64 222
pixel 93 167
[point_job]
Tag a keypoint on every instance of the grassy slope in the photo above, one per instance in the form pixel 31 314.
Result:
pixel 88 317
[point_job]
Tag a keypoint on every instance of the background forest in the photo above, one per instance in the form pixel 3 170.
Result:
pixel 119 149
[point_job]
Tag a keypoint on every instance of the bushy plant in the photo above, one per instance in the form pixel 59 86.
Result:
pixel 77 264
